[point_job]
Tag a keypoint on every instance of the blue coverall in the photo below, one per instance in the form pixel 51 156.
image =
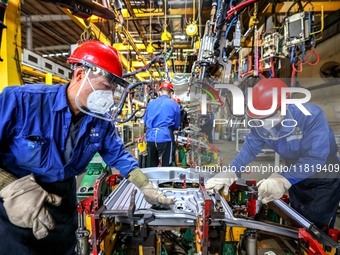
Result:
pixel 162 117
pixel 34 124
pixel 310 154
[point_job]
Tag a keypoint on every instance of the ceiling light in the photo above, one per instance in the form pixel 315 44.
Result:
pixel 55 55
pixel 182 37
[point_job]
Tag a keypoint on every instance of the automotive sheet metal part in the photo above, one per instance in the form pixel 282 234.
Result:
pixel 184 212
pixel 188 206
pixel 318 234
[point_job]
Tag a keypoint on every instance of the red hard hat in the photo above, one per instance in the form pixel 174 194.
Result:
pixel 177 100
pixel 98 54
pixel 167 85
pixel 263 95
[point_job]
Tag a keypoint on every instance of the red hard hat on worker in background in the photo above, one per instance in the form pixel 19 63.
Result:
pixel 177 100
pixel 263 95
pixel 98 54
pixel 167 85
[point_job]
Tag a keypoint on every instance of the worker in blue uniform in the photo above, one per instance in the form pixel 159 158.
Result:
pixel 161 118
pixel 48 135
pixel 184 115
pixel 306 142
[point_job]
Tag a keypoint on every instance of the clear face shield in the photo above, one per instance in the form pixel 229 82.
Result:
pixel 101 93
pixel 274 127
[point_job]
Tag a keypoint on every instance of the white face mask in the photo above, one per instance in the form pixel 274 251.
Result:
pixel 100 101
pixel 271 122
pixel 100 96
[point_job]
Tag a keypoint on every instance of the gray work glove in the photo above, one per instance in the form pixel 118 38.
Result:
pixel 272 188
pixel 24 203
pixel 6 178
pixel 222 180
pixel 150 190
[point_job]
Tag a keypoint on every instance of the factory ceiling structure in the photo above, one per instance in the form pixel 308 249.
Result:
pixel 50 29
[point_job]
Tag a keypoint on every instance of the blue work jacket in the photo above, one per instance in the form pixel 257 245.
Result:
pixel 311 142
pixel 34 124
pixel 161 114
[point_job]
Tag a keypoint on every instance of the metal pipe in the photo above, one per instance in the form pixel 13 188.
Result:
pixel 251 246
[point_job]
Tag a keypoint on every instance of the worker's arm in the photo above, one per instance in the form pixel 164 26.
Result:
pixel 177 116
pixel 251 147
pixel 314 147
pixel 115 156
pixel 23 199
pixel 312 152
pixel 8 114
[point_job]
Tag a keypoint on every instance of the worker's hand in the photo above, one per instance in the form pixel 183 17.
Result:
pixel 151 192
pixel 222 180
pixel 24 203
pixel 272 188
pixel 153 196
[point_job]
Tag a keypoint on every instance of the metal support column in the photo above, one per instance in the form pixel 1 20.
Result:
pixel 10 67
pixel 29 34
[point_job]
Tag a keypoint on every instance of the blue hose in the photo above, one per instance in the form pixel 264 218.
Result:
pixel 229 27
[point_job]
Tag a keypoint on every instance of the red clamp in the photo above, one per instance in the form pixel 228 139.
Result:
pixel 184 179
pixel 140 139
pixel 85 205
pixel 212 147
pixel 285 198
pixel 314 247
pixel 334 234
pixel 112 179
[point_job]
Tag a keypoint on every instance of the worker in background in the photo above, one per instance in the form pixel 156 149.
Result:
pixel 183 123
pixel 48 135
pixel 207 126
pixel 307 144
pixel 162 118
pixel 184 115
